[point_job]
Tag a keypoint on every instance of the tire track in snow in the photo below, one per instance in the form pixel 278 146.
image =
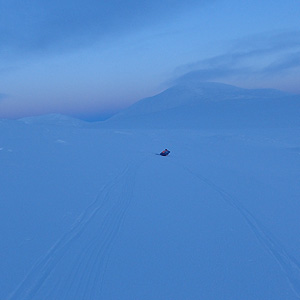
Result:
pixel 288 264
pixel 78 284
pixel 80 262
pixel 97 281
pixel 82 276
pixel 94 276
pixel 110 207
pixel 42 270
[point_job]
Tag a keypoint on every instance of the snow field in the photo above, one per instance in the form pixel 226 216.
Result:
pixel 100 216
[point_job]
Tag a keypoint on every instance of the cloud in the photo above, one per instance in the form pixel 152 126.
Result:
pixel 33 26
pixel 209 74
pixel 260 56
pixel 289 61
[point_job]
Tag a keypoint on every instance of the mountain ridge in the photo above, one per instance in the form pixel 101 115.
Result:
pixel 212 105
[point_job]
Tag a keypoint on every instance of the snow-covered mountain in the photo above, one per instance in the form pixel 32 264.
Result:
pixel 91 212
pixel 212 105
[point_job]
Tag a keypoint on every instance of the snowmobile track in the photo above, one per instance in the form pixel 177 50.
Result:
pixel 81 254
pixel 288 264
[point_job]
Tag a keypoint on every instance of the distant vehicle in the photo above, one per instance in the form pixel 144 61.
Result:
pixel 165 152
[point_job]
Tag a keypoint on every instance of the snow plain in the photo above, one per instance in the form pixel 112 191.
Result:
pixel 91 212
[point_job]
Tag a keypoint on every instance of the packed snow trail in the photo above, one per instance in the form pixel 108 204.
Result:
pixel 74 267
pixel 289 265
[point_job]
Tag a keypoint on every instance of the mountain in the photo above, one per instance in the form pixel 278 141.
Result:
pixel 212 105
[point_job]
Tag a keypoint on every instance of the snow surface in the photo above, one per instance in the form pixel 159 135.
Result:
pixel 54 120
pixel 91 212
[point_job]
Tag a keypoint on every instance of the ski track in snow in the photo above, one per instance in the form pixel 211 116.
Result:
pixel 82 274
pixel 289 265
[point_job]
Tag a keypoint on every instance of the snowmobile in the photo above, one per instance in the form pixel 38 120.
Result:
pixel 165 152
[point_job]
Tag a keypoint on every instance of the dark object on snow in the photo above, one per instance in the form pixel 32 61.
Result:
pixel 165 152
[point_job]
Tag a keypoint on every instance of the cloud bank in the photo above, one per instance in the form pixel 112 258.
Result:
pixel 33 26
pixel 263 56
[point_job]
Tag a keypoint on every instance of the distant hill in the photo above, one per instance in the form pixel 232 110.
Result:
pixel 54 120
pixel 212 105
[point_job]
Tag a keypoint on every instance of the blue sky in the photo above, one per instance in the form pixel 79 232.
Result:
pixel 92 58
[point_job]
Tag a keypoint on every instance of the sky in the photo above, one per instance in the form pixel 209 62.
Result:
pixel 93 58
